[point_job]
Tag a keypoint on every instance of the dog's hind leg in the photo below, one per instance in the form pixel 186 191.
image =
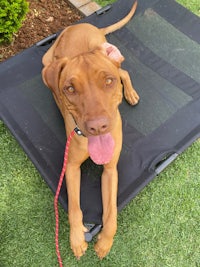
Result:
pixel 129 92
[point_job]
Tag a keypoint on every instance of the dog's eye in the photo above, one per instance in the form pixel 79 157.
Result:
pixel 69 89
pixel 109 81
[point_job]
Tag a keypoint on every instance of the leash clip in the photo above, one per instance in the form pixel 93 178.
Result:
pixel 78 131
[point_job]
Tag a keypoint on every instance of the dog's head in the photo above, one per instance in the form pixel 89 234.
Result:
pixel 88 87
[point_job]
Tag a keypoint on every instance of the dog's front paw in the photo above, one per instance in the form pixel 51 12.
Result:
pixel 131 97
pixel 77 241
pixel 103 245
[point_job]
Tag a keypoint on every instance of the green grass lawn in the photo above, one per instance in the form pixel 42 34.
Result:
pixel 159 228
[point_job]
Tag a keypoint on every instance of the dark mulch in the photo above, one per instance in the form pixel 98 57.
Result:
pixel 44 18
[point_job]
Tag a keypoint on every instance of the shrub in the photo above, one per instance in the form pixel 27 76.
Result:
pixel 12 14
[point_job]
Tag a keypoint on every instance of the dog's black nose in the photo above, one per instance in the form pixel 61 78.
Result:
pixel 97 126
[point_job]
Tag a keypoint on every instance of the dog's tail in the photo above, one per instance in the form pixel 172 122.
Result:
pixel 120 23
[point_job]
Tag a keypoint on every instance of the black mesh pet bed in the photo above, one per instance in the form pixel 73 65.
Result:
pixel 161 45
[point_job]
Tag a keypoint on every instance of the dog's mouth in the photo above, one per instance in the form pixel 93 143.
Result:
pixel 101 148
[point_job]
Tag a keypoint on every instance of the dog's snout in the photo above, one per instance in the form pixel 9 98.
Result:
pixel 97 126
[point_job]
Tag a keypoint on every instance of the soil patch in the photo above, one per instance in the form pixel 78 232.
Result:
pixel 45 17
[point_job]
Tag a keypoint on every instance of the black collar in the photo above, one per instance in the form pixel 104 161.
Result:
pixel 78 131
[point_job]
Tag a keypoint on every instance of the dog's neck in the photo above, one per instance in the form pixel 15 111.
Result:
pixel 73 125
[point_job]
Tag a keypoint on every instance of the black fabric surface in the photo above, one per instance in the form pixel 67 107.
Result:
pixel 162 49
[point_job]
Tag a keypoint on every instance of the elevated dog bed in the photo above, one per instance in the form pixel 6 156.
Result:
pixel 162 49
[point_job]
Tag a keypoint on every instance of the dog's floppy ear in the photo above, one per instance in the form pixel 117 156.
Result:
pixel 112 52
pixel 51 74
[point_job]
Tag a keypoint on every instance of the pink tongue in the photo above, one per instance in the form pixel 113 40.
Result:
pixel 101 148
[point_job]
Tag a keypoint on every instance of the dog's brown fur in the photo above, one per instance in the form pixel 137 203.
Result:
pixel 83 71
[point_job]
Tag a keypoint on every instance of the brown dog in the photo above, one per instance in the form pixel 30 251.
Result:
pixel 83 71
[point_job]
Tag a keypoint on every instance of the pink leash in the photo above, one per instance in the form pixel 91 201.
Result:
pixel 57 195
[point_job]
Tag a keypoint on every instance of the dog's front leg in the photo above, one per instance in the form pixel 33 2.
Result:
pixel 77 229
pixel 109 195
pixel 109 198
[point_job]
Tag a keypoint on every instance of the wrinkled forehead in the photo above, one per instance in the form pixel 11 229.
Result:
pixel 90 64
